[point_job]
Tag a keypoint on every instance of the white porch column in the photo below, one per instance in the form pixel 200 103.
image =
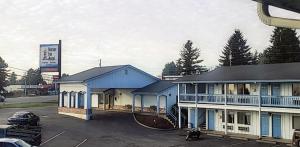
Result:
pixel 189 118
pixel 69 100
pixel 85 100
pixel 196 117
pixel 61 99
pixel 179 117
pixel 76 100
pixel 72 100
pixel 142 103
pixel 157 104
pixel 133 104
pixel 259 110
pixel 225 110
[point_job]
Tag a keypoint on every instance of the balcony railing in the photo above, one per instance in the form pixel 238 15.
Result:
pixel 243 99
pixel 281 101
pixel 217 99
pixel 250 100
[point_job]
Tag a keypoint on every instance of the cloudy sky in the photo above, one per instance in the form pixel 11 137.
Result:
pixel 143 33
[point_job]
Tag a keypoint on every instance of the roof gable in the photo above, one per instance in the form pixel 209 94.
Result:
pixel 156 87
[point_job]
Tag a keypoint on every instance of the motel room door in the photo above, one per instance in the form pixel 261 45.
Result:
pixel 211 119
pixel 276 126
pixel 264 124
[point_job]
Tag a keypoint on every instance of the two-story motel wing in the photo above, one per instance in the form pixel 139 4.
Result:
pixel 261 100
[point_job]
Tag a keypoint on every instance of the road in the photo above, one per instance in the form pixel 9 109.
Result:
pixel 31 99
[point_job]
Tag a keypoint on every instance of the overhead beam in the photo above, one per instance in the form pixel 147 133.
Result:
pixel 266 18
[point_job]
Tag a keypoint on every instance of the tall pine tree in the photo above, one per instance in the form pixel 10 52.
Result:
pixel 239 50
pixel 284 47
pixel 3 76
pixel 170 69
pixel 189 61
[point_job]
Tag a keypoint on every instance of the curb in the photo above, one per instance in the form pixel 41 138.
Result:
pixel 149 126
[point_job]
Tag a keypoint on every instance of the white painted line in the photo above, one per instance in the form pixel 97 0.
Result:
pixel 52 138
pixel 81 143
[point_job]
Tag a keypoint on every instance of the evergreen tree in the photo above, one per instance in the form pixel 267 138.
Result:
pixel 12 79
pixel 3 76
pixel 284 47
pixel 239 50
pixel 189 62
pixel 33 77
pixel 170 69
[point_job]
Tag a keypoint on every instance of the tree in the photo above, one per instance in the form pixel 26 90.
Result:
pixel 33 77
pixel 284 47
pixel 239 50
pixel 64 75
pixel 170 69
pixel 188 63
pixel 3 76
pixel 12 79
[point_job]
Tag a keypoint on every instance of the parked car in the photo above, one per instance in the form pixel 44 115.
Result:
pixel 24 118
pixel 2 98
pixel 296 138
pixel 12 142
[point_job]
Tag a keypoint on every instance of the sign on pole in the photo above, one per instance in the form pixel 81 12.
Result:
pixel 49 57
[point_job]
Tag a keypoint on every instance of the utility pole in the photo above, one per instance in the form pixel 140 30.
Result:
pixel 100 62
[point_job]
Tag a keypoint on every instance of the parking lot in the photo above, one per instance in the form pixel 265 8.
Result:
pixel 113 129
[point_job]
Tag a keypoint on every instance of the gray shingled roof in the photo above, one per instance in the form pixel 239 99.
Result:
pixel 262 72
pixel 156 87
pixel 90 73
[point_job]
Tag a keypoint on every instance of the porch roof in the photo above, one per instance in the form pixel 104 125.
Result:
pixel 155 88
pixel 284 72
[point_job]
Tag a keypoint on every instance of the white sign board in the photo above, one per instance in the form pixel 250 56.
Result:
pixel 49 57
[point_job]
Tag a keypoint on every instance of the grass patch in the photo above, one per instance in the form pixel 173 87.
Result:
pixel 28 105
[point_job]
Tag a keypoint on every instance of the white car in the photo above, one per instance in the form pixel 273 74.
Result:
pixel 13 142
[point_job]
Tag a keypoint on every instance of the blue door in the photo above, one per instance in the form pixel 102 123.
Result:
pixel 276 126
pixel 264 128
pixel 211 119
pixel 192 118
pixel 264 93
pixel 275 100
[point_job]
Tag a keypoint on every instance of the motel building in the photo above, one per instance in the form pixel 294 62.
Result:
pixel 258 100
pixel 115 88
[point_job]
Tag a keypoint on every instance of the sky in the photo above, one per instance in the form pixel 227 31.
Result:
pixel 144 33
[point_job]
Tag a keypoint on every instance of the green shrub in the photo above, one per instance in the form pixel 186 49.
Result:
pixel 153 108
pixel 128 106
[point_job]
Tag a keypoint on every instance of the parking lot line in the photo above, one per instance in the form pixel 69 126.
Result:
pixel 52 138
pixel 81 142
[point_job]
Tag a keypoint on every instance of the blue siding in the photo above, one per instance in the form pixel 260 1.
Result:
pixel 276 126
pixel 264 124
pixel 171 94
pixel 123 78
pixel 211 119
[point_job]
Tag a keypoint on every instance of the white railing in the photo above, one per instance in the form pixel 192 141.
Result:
pixel 243 99
pixel 253 100
pixel 205 98
pixel 187 98
pixel 281 101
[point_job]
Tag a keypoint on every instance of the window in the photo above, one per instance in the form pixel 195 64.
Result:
pixel 296 122
pixel 181 88
pixel 190 88
pixel 230 117
pixel 230 89
pixel 201 88
pixel 296 89
pixel 244 118
pixel 243 89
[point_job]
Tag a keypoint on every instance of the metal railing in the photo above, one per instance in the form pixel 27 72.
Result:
pixel 251 100
pixel 243 99
pixel 205 98
pixel 281 101
pixel 187 98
